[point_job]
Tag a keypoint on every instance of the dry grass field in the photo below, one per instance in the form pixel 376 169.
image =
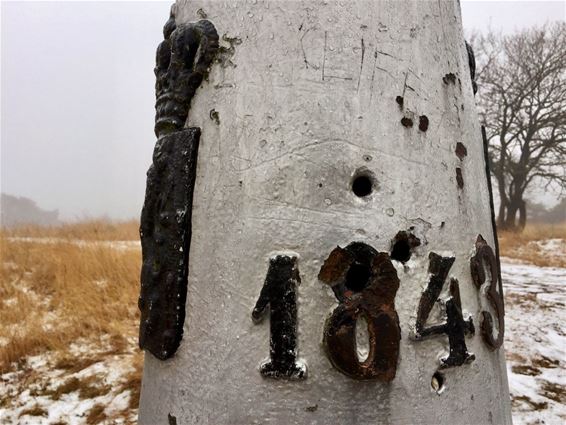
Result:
pixel 543 245
pixel 68 322
pixel 69 318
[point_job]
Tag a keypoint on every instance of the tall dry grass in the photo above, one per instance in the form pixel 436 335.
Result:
pixel 530 244
pixel 53 294
pixel 89 230
pixel 73 301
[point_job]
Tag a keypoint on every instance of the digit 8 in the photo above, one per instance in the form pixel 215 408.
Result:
pixel 365 283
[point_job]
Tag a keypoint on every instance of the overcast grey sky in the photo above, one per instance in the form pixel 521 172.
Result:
pixel 77 96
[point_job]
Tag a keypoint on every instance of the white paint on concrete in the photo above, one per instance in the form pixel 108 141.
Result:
pixel 306 99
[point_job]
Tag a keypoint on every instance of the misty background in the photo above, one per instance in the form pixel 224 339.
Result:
pixel 77 97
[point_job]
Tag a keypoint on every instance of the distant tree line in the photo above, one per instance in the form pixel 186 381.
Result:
pixel 522 104
pixel 16 211
pixel 540 214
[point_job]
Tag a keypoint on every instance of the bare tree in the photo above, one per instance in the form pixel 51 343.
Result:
pixel 522 103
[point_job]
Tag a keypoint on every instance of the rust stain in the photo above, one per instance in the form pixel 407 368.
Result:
pixel 459 178
pixel 461 151
pixel 449 78
pixel 407 122
pixel 335 267
pixel 374 300
pixel 423 123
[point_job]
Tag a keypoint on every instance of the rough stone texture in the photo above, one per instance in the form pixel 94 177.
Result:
pixel 304 95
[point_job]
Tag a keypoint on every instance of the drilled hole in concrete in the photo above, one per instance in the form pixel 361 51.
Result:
pixel 401 251
pixel 403 245
pixel 362 186
pixel 357 277
pixel 437 382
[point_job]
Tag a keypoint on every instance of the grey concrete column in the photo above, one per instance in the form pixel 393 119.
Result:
pixel 325 123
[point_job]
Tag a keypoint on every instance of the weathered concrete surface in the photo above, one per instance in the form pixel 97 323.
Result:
pixel 302 98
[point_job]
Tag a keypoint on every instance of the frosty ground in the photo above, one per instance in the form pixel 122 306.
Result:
pixel 535 341
pixel 96 379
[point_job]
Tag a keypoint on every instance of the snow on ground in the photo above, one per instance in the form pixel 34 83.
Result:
pixel 535 341
pixel 46 390
pixel 120 245
pixel 556 247
pixel 40 389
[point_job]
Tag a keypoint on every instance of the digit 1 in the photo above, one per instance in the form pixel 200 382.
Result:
pixel 455 327
pixel 485 256
pixel 280 293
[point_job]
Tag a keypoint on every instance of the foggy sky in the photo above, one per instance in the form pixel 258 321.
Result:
pixel 77 97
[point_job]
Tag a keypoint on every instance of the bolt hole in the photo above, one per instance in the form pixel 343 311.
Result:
pixel 403 244
pixel 437 382
pixel 362 186
pixel 401 251
pixel 357 277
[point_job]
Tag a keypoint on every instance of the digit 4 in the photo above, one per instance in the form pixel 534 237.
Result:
pixel 455 326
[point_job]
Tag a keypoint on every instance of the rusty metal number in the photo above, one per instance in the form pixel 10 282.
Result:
pixel 365 283
pixel 485 258
pixel 279 292
pixel 455 327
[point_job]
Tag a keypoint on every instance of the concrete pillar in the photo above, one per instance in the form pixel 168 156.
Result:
pixel 339 200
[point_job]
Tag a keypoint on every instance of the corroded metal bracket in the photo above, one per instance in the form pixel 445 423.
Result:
pixel 182 63
pixel 472 65
pixel 166 235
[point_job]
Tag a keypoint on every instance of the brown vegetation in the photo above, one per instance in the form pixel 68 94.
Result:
pixel 64 294
pixel 70 291
pixel 77 302
pixel 530 245
pixel 96 414
pixel 90 230
pixel 34 411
